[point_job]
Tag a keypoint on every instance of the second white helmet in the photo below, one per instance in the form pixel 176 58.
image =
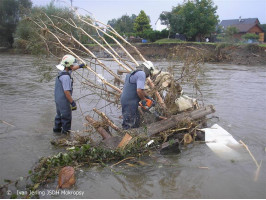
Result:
pixel 67 61
pixel 150 68
pixel 149 65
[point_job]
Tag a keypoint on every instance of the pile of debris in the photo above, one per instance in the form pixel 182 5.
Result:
pixel 180 117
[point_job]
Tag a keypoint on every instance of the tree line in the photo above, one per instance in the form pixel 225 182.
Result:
pixel 11 12
pixel 194 19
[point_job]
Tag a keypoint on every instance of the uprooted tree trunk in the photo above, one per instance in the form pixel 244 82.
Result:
pixel 171 122
pixel 153 128
pixel 98 128
pixel 61 33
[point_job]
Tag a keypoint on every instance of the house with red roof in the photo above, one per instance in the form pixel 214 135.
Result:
pixel 244 26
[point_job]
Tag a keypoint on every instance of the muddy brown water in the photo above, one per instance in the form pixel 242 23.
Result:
pixel 237 92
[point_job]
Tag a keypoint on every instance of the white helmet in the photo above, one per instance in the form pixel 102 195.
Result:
pixel 67 61
pixel 150 67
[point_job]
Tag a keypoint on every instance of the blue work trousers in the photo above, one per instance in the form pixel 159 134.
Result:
pixel 131 117
pixel 63 117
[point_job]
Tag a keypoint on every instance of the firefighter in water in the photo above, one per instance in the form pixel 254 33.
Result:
pixel 63 94
pixel 133 93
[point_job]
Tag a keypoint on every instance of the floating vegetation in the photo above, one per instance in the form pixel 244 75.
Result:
pixel 86 156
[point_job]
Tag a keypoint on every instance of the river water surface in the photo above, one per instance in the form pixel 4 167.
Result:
pixel 238 93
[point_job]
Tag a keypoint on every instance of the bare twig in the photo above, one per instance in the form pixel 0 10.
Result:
pixel 255 161
pixel 7 123
pixel 128 158
pixel 257 172
pixel 107 120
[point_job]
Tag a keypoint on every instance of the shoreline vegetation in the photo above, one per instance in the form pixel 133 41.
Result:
pixel 172 49
pixel 240 54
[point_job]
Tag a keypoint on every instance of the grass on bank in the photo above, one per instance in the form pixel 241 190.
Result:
pixel 168 41
pixel 176 41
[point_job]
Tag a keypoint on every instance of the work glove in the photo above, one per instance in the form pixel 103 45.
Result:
pixel 82 65
pixel 73 105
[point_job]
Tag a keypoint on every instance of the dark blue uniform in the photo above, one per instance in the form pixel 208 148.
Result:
pixel 130 102
pixel 63 110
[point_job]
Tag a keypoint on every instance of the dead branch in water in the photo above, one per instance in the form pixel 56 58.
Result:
pixel 253 158
pixel 255 161
pixel 107 120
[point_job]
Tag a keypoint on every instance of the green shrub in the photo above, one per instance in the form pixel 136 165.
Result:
pixel 153 35
pixel 250 36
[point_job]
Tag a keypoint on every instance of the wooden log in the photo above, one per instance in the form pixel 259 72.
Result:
pixel 99 129
pixel 109 141
pixel 107 120
pixel 160 100
pixel 171 122
pixel 125 140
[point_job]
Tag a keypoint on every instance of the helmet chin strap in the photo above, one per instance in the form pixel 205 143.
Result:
pixel 147 71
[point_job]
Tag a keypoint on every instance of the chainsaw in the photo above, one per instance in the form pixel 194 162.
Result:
pixel 150 107
pixel 149 104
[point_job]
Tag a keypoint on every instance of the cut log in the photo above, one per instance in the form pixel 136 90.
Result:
pixel 99 129
pixel 125 140
pixel 171 122
pixel 152 129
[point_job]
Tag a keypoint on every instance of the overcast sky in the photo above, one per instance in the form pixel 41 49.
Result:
pixel 104 10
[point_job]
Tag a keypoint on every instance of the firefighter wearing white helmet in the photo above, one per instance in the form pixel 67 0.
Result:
pixel 67 61
pixel 133 94
pixel 147 67
pixel 63 93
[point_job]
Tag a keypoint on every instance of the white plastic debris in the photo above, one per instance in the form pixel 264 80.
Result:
pixel 149 143
pixel 222 143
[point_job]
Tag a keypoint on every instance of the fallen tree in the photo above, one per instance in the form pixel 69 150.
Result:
pixel 56 36
pixel 171 122
pixel 116 144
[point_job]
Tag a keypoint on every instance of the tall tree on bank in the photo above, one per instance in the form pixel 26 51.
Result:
pixel 10 13
pixel 194 18
pixel 142 23
pixel 29 40
pixel 165 17
pixel 123 24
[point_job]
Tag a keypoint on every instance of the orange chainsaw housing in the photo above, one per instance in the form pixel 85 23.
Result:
pixel 149 104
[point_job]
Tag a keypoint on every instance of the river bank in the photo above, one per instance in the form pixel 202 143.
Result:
pixel 244 54
pixel 212 53
pixel 239 54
